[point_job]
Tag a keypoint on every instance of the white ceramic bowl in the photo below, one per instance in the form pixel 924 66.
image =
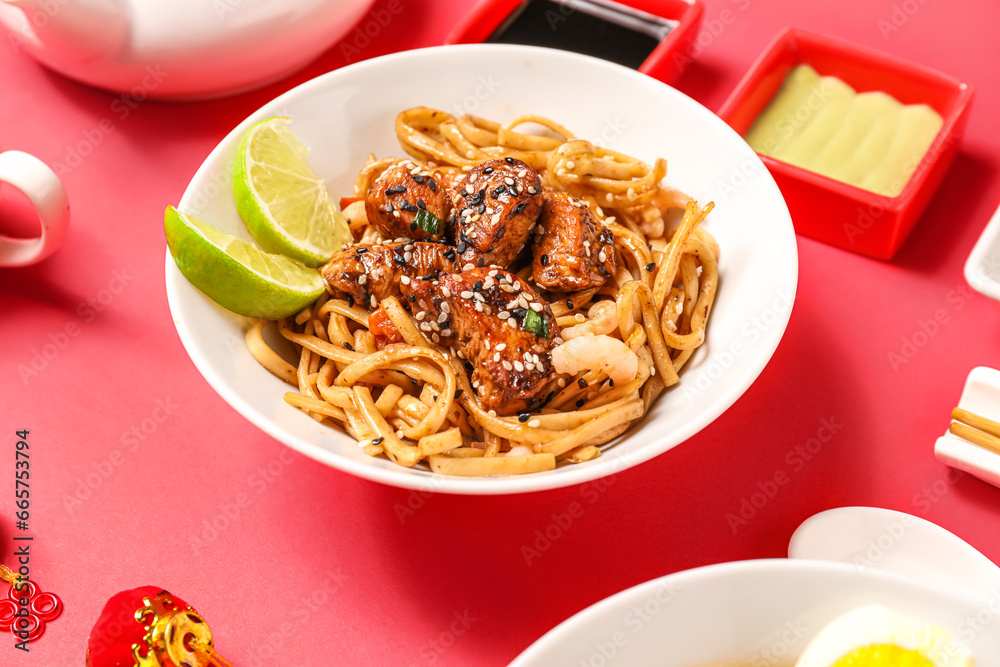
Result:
pixel 758 613
pixel 344 115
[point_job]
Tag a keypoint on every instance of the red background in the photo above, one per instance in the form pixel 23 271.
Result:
pixel 316 566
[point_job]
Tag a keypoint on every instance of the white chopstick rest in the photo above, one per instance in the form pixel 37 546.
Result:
pixel 45 192
pixel 981 396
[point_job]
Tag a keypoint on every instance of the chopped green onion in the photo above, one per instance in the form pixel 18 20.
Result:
pixel 427 221
pixel 536 324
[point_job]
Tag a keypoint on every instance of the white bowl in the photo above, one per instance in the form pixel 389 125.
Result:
pixel 756 613
pixel 982 268
pixel 344 115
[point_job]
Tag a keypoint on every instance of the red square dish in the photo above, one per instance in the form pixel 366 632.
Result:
pixel 666 62
pixel 829 210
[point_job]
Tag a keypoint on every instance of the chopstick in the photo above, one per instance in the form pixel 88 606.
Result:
pixel 976 429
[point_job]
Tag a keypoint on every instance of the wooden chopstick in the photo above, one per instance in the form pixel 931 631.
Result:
pixel 976 429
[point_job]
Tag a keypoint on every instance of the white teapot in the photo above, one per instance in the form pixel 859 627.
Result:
pixel 177 48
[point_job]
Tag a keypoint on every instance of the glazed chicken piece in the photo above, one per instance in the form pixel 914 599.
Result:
pixel 407 201
pixel 500 325
pixel 495 209
pixel 573 250
pixel 368 273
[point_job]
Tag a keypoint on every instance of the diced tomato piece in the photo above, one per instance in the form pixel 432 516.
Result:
pixel 347 201
pixel 382 328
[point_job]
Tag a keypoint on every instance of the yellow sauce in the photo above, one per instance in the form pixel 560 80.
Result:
pixel 819 123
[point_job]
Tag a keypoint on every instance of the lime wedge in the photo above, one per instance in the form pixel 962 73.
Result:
pixel 236 274
pixel 284 204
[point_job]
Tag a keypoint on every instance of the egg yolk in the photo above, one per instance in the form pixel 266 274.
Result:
pixel 883 656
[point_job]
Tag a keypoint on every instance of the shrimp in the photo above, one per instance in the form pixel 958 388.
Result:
pixel 602 319
pixel 589 351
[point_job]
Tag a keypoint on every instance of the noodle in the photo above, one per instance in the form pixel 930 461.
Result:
pixel 412 401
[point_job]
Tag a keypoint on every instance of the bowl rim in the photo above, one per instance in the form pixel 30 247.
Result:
pixel 564 476
pixel 690 578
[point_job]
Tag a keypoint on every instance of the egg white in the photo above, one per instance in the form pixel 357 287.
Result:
pixel 877 625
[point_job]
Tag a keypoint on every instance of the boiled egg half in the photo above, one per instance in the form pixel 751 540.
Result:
pixel 875 636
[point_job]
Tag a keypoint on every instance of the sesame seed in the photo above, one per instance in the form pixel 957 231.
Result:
pixel 447 293
pixel 371 301
pixel 534 423
pixel 468 267
pixel 537 307
pixel 507 365
pixel 523 417
pixel 603 256
pixel 651 266
pixel 544 260
pixel 466 294
pixel 518 366
pixel 579 317
pixel 501 346
pixel 442 317
pixel 532 190
pixel 445 309
pixel 405 280
pixel 436 338
pixel 582 383
pixel 421 315
pixel 362 279
pixel 350 301
pixel 561 382
pixel 496 357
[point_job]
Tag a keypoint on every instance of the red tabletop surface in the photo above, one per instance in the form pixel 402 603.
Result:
pixel 141 474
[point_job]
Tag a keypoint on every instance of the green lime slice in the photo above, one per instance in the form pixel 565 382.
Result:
pixel 237 275
pixel 284 204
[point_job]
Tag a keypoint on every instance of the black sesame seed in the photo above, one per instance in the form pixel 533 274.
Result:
pixel 429 276
pixel 413 226
pixel 361 250
pixel 449 254
pixel 464 193
pixel 468 366
pixel 349 346
pixel 458 393
pixel 409 207
pixel 461 248
pixel 544 259
pixel 478 285
pixel 611 383
pixel 488 171
pixel 378 441
pixel 390 191
pixel 412 298
pixel 399 259
pixel 603 271
pixel 421 204
pixel 499 191
pixel 418 178
pixel 388 207
pixel 523 417
pixel 481 209
pixel 509 160
pixel 569 304
pixel 501 230
pixel 350 301
pixel 479 262
pixel 437 273
pixel 580 403
pixel 651 266
pixel 582 383
pixel 518 312
pixel 432 185
pixel 519 209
